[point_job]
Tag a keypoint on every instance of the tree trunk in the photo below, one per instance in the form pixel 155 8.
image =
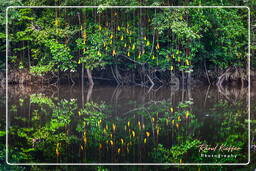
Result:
pixel 89 75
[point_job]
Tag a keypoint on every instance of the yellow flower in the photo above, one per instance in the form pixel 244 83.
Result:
pixel 128 123
pixel 122 141
pixel 148 43
pixel 173 56
pixel 128 54
pixel 143 126
pixel 157 46
pixel 187 113
pixel 166 121
pixel 100 146
pixel 187 62
pixel 111 36
pixel 118 150
pixel 113 52
pixel 81 147
pixel 133 47
pixel 111 142
pixel 100 27
pixel 118 28
pixel 171 68
pixel 178 118
pixel 125 45
pixel 99 54
pixel 139 55
pixel 157 130
pixel 145 140
pixel 171 109
pixel 84 35
pixel 177 125
pixel 122 37
pixel 138 123
pixel 133 133
pixel 147 134
pixel 173 122
pixel 153 57
pixel 85 139
pixel 104 44
pixel 153 119
pixel 99 122
pixel 113 127
pixel 110 42
pixel 111 135
pixel 178 59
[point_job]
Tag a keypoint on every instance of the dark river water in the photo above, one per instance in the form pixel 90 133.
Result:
pixel 105 124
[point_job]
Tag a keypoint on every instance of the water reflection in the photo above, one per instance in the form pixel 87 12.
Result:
pixel 126 124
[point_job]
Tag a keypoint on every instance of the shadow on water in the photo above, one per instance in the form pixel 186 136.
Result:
pixel 127 124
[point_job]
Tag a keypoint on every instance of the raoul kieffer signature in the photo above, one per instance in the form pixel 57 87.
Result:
pixel 222 148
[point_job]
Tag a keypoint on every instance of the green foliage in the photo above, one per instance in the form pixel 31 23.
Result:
pixel 61 57
pixel 175 153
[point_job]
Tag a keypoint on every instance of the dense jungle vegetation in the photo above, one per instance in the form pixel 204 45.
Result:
pixel 126 46
pixel 145 47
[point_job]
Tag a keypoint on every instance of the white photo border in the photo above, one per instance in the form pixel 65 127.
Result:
pixel 78 164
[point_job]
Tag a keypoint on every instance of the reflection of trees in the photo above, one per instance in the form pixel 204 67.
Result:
pixel 233 94
pixel 172 122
